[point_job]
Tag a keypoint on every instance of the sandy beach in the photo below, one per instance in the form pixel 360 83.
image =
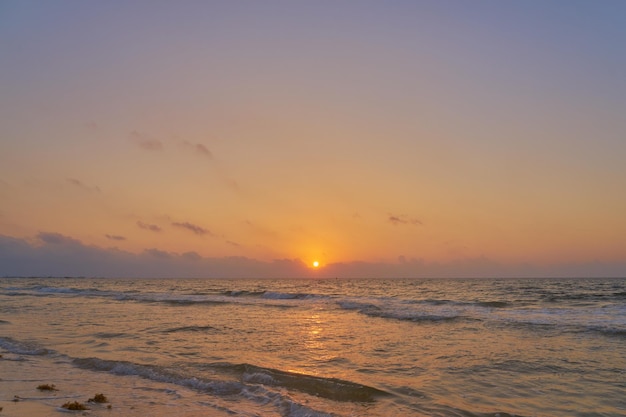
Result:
pixel 20 377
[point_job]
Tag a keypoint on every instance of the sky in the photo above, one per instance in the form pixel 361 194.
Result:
pixel 253 138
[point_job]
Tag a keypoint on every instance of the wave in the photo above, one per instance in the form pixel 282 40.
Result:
pixel 131 295
pixel 270 295
pixel 445 302
pixel 493 304
pixel 168 298
pixel 190 329
pixel 287 296
pixel 258 298
pixel 558 297
pixel 330 388
pixel 243 293
pixel 398 312
pixel 47 291
pixel 609 332
pixel 553 325
pixel 249 378
pixel 159 374
pixel 225 297
pixel 252 383
pixel 243 296
pixel 528 367
pixel 110 335
pixel 23 348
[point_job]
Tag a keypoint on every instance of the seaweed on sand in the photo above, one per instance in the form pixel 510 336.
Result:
pixel 47 387
pixel 75 406
pixel 98 398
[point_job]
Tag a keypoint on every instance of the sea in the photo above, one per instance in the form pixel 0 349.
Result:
pixel 316 347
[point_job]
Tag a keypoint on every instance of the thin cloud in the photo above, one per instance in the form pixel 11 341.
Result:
pixel 191 256
pixel 232 184
pixel 114 237
pixel 197 148
pixel 397 220
pixel 151 227
pixel 145 142
pixel 193 228
pixel 201 149
pixel 158 253
pixel 75 182
pixel 83 186
pixel 57 239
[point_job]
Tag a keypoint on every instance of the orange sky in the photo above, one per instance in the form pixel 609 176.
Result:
pixel 342 133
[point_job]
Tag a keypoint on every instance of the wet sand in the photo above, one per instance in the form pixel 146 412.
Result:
pixel 128 396
pixel 19 396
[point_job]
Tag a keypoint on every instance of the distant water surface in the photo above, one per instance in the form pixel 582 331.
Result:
pixel 475 347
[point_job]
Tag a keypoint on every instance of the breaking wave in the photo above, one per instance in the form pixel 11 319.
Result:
pixel 248 379
pixel 331 388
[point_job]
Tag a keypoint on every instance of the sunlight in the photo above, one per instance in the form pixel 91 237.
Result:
pixel 316 264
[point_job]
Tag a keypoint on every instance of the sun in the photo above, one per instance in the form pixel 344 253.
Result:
pixel 316 264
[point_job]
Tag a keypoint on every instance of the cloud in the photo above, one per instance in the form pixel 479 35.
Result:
pixel 56 239
pixel 114 237
pixel 192 256
pixel 232 184
pixel 145 142
pixel 158 253
pixel 148 143
pixel 53 254
pixel 202 150
pixel 83 186
pixel 396 220
pixel 60 255
pixel 193 228
pixel 197 148
pixel 151 227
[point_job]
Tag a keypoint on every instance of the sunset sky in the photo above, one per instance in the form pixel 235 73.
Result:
pixel 221 138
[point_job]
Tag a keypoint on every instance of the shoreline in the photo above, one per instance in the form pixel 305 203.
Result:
pixel 20 396
pixel 128 396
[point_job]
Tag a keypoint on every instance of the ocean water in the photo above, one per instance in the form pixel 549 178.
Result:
pixel 473 347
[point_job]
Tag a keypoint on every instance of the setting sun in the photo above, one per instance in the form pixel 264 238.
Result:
pixel 316 264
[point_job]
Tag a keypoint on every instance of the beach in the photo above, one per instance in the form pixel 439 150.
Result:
pixel 134 396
